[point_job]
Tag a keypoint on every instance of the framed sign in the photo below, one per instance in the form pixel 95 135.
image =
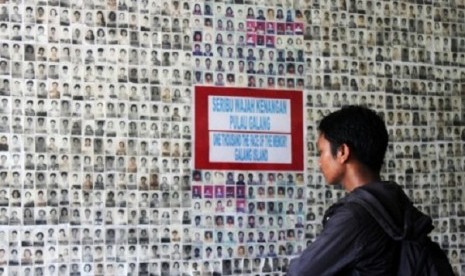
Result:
pixel 248 129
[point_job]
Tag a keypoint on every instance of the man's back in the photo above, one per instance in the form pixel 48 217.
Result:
pixel 353 242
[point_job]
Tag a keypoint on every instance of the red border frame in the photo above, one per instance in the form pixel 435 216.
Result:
pixel 201 138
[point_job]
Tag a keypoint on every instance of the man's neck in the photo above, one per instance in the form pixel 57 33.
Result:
pixel 356 176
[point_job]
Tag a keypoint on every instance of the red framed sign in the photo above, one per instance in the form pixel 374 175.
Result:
pixel 248 129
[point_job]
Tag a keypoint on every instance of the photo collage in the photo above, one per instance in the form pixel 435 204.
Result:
pixel 97 172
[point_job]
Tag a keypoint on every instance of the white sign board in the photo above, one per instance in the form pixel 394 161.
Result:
pixel 248 129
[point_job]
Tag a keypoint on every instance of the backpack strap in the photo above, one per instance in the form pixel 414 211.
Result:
pixel 421 262
pixel 376 210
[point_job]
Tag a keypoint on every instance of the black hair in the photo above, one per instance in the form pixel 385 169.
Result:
pixel 362 130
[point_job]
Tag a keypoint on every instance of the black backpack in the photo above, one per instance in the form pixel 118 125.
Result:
pixel 417 257
pixel 423 257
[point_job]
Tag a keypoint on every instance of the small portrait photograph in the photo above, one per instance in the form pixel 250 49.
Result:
pixel 240 191
pixel 208 191
pixel 219 191
pixel 230 192
pixel 281 28
pixel 240 207
pixel 196 192
pixel 260 27
pixel 251 39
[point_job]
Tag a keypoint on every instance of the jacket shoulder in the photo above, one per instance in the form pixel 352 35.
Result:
pixel 359 213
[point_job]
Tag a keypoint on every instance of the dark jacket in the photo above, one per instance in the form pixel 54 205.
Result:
pixel 353 242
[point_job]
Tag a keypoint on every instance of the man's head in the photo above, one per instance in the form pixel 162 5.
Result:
pixel 353 133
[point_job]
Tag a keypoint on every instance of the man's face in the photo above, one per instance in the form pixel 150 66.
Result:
pixel 329 164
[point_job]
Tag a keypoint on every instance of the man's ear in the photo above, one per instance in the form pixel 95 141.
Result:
pixel 343 153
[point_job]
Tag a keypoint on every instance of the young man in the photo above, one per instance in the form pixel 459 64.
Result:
pixel 352 143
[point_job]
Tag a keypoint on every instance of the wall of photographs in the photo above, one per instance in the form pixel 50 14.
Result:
pixel 96 170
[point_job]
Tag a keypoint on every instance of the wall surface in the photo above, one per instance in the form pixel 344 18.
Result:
pixel 97 170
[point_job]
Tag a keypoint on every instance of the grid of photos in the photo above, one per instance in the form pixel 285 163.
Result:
pixel 96 173
pixel 96 137
pixel 247 46
pixel 405 60
pixel 252 220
